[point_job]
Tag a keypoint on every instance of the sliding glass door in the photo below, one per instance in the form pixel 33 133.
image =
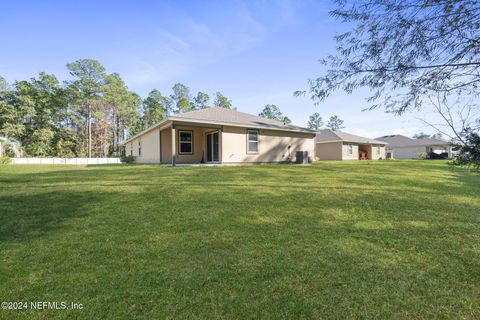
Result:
pixel 213 147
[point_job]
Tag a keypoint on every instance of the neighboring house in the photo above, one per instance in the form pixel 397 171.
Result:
pixel 219 135
pixel 401 147
pixel 338 145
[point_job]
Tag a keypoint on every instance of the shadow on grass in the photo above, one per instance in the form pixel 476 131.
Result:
pixel 29 216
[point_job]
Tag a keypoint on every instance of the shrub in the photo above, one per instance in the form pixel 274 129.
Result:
pixel 421 155
pixel 4 160
pixel 469 153
pixel 127 159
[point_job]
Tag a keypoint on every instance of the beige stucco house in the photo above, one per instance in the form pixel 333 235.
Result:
pixel 219 135
pixel 338 145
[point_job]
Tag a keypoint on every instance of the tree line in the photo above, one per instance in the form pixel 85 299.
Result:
pixel 315 121
pixel 88 115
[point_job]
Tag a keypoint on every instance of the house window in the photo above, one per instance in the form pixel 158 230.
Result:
pixel 131 149
pixel 378 150
pixel 139 148
pixel 252 141
pixel 350 149
pixel 185 142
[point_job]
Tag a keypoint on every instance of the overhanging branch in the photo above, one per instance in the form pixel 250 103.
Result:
pixel 464 64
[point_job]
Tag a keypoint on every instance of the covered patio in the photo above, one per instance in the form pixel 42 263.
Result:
pixel 187 143
pixel 179 142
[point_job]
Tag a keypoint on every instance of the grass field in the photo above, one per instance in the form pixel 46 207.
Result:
pixel 333 240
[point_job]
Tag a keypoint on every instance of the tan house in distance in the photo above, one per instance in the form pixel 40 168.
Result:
pixel 401 147
pixel 219 135
pixel 338 145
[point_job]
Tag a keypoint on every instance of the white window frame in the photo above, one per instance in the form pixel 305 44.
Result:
pixel 378 150
pixel 350 149
pixel 139 148
pixel 254 141
pixel 187 142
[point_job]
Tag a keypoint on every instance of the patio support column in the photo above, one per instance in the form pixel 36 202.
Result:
pixel 174 150
pixel 220 144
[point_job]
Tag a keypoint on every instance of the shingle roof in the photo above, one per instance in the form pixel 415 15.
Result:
pixel 398 140
pixel 328 135
pixel 228 116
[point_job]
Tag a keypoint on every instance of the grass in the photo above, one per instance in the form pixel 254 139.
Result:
pixel 385 239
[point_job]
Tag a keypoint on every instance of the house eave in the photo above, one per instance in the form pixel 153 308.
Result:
pixel 348 141
pixel 163 123
pixel 242 125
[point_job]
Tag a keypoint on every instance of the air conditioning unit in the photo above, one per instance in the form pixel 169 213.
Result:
pixel 301 157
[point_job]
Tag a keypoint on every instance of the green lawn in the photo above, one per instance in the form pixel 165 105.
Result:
pixel 334 240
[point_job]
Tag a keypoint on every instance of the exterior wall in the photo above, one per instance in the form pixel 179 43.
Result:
pixel 166 145
pixel 150 147
pixel 128 148
pixel 329 151
pixel 407 152
pixel 345 155
pixel 372 154
pixel 273 145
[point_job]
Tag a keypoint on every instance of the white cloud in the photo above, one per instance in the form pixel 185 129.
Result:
pixel 175 53
pixel 142 73
pixel 195 43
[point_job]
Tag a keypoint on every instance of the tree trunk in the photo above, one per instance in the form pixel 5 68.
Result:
pixel 117 127
pixel 89 129
pixel 115 134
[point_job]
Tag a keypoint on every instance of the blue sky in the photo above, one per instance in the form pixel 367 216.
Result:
pixel 254 52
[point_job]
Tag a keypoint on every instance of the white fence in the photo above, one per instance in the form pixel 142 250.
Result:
pixel 65 160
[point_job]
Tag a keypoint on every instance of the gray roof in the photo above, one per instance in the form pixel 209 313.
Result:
pixel 328 135
pixel 228 117
pixel 398 140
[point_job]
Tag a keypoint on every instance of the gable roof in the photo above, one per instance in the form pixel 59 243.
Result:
pixel 398 140
pixel 328 135
pixel 228 117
